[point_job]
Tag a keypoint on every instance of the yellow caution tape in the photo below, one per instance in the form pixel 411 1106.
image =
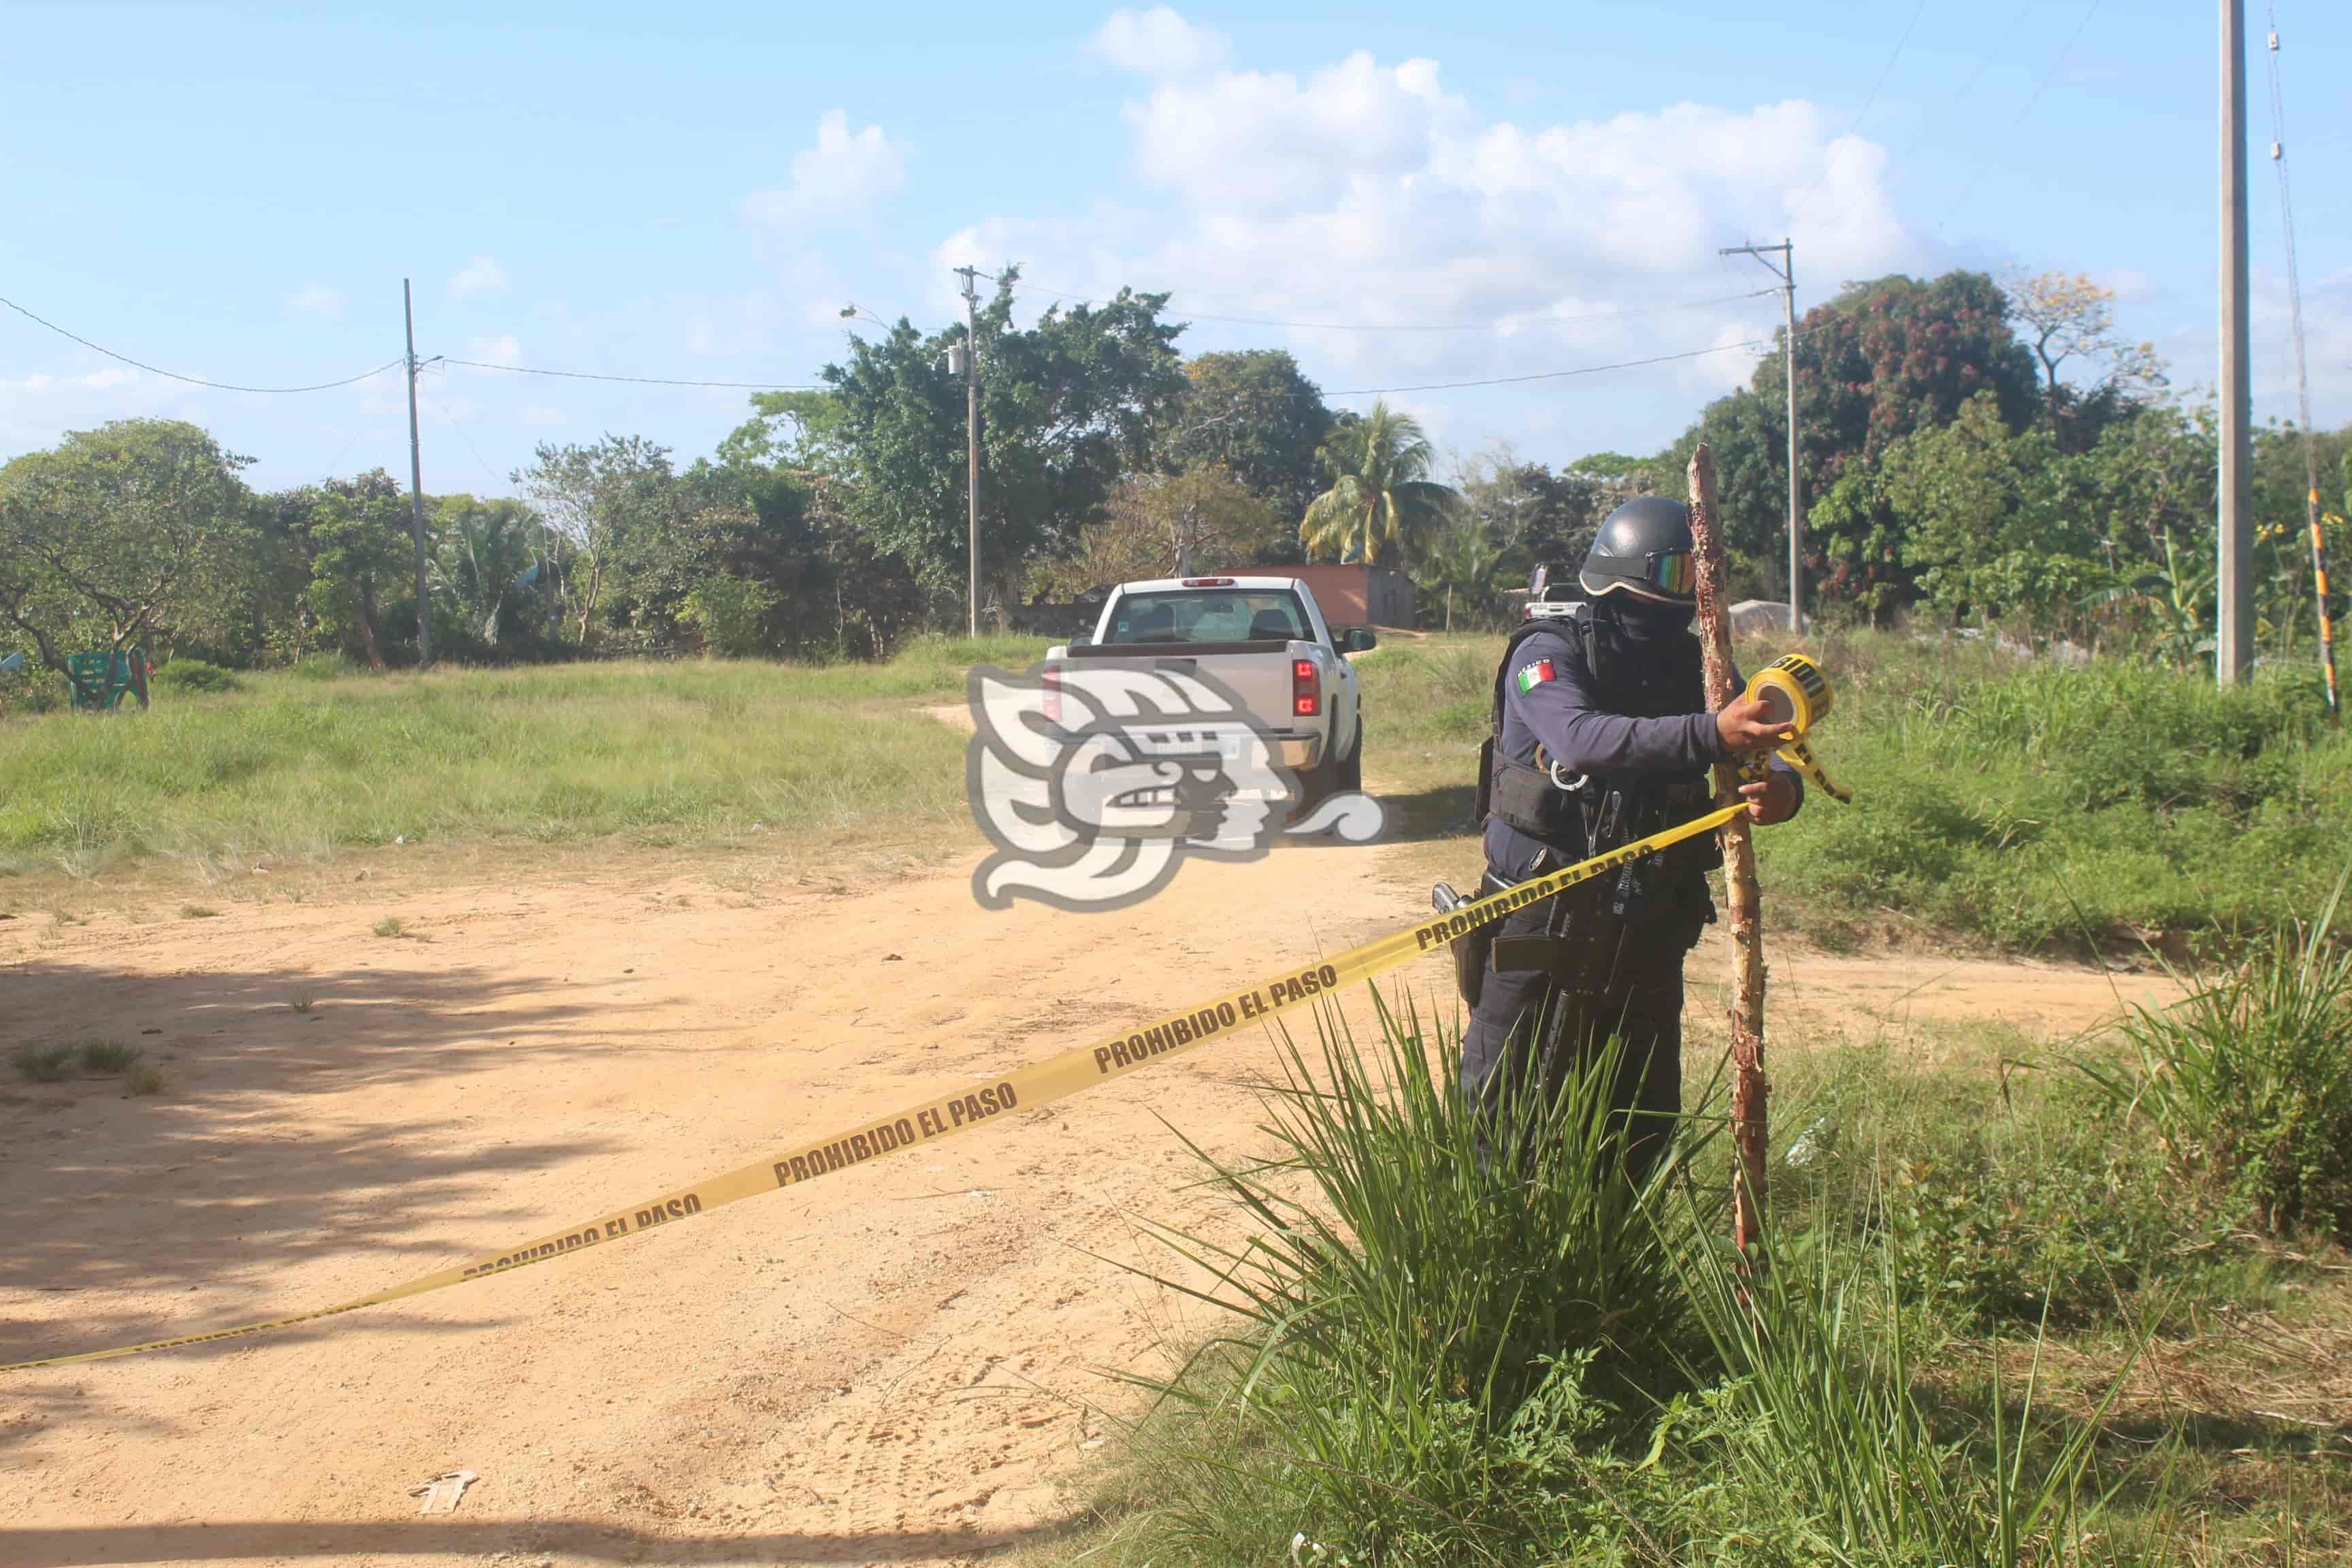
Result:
pixel 1040 1083
pixel 1796 696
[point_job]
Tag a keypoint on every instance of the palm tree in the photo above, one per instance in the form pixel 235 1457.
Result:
pixel 1462 557
pixel 1381 495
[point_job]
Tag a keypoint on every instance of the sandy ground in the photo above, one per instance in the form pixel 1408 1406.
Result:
pixel 894 1365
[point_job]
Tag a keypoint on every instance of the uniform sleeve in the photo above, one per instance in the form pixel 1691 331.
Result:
pixel 1546 688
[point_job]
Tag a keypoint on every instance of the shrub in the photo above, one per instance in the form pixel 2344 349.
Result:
pixel 320 667
pixel 391 925
pixel 43 1063
pixel 101 1054
pixel 142 1078
pixel 194 675
pixel 727 612
pixel 2249 1078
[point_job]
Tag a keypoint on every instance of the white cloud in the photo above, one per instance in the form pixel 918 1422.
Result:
pixel 1159 43
pixel 501 350
pixel 480 276
pixel 1367 195
pixel 324 303
pixel 844 175
pixel 539 414
pixel 110 375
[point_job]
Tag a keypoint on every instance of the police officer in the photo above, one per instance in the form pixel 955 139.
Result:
pixel 1599 736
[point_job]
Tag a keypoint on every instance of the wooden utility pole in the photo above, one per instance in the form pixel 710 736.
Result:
pixel 972 441
pixel 2235 576
pixel 416 490
pixel 1749 1127
pixel 1786 273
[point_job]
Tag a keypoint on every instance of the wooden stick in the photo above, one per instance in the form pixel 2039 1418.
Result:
pixel 1749 1127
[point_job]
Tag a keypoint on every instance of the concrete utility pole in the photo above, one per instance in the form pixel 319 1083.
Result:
pixel 972 438
pixel 2234 574
pixel 1787 272
pixel 416 489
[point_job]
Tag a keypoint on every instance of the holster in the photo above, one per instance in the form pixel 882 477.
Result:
pixel 1470 952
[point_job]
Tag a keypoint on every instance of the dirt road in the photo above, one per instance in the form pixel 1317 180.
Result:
pixel 893 1365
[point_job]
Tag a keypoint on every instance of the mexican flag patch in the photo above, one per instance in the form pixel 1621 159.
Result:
pixel 1531 676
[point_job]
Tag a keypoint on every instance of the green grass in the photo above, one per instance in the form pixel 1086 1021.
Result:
pixel 304 764
pixel 1435 1360
pixel 2025 804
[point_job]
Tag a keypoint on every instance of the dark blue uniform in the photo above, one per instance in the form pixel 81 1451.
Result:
pixel 1639 731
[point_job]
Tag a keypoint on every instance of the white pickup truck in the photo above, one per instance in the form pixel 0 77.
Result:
pixel 1265 639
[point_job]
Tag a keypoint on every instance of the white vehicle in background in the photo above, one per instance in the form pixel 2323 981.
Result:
pixel 1264 640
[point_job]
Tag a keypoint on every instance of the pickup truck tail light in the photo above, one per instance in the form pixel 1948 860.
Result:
pixel 1305 690
pixel 1207 582
pixel 1053 694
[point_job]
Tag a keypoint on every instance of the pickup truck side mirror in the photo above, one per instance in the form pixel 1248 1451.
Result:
pixel 1358 640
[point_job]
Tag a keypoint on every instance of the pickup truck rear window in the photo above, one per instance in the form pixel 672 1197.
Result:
pixel 1210 614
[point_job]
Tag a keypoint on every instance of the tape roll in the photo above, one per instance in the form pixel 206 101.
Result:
pixel 1795 693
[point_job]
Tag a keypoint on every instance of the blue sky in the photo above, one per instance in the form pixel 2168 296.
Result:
pixel 694 191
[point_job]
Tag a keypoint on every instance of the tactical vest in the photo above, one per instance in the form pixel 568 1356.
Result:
pixel 1651 677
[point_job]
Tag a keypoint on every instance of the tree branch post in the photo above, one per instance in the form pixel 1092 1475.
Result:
pixel 1749 1125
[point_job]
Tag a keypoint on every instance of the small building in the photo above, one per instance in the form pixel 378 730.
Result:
pixel 1355 593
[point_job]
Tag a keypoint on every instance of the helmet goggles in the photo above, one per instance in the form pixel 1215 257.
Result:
pixel 1668 572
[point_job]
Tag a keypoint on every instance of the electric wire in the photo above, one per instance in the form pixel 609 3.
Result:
pixel 1530 319
pixel 195 379
pixel 1554 375
pixel 450 419
pixel 1902 161
pixel 1798 206
pixel 2057 63
pixel 640 379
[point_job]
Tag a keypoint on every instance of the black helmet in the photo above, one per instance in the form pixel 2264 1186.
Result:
pixel 1644 548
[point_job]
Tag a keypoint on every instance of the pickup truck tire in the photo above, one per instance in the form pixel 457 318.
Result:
pixel 1349 775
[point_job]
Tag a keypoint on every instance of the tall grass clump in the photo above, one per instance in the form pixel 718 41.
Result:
pixel 1835 1456
pixel 1432 1338
pixel 2038 805
pixel 2248 1079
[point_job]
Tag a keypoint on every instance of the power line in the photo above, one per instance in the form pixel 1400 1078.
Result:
pixel 193 380
pixel 451 420
pixel 637 380
pixel 1864 112
pixel 1481 326
pixel 1554 375
pixel 1902 161
pixel 2032 99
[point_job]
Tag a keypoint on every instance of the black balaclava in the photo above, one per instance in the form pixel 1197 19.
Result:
pixel 1646 618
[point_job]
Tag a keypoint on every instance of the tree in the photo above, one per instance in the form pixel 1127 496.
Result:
pixel 1532 516
pixel 2066 318
pixel 1066 408
pixel 1157 525
pixel 1381 494
pixel 1255 414
pixel 1463 561
pixel 104 538
pixel 491 558
pixel 361 555
pixel 1993 522
pixel 1881 360
pixel 598 498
